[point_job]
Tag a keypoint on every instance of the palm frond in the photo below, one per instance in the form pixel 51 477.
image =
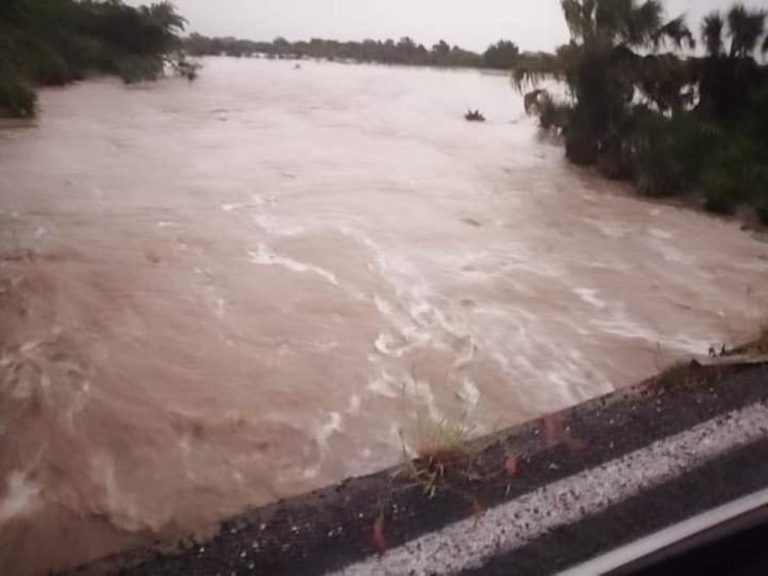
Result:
pixel 579 17
pixel 644 22
pixel 745 28
pixel 532 69
pixel 677 32
pixel 712 33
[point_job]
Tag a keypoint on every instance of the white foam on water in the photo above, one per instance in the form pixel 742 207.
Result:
pixel 420 391
pixel 257 200
pixel 384 385
pixel 469 392
pixel 122 509
pixel 562 384
pixel 185 445
pixel 78 403
pixel 266 257
pixel 661 234
pixel 328 429
pixel 572 373
pixel 220 307
pixel 414 316
pixel 589 295
pixel 384 307
pixel 531 264
pixel 354 404
pixel 620 324
pixel 610 230
pixel 516 319
pixel 276 227
pixel 669 253
pixel 387 345
pixel 403 325
pixel 21 498
pixel 229 207
pixel 30 345
pixel 465 360
pixel 323 433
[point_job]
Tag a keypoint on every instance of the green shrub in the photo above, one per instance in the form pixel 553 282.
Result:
pixel 16 99
pixel 133 69
pixel 755 120
pixel 759 192
pixel 88 54
pixel 668 153
pixel 48 68
pixel 719 199
pixel 762 212
pixel 52 42
pixel 733 175
pixel 551 113
pixel 581 143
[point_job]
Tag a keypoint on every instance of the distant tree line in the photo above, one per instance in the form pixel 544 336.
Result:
pixel 50 42
pixel 502 55
pixel 637 108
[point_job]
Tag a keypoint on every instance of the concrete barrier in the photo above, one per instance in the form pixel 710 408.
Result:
pixel 534 499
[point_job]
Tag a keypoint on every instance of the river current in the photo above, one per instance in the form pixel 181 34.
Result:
pixel 220 293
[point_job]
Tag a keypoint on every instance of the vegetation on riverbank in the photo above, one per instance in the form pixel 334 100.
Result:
pixel 503 55
pixel 638 110
pixel 756 346
pixel 55 42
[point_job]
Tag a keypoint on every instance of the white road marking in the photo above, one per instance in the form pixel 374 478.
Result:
pixel 469 543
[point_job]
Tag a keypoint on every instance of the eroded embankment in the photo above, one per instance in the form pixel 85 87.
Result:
pixel 539 497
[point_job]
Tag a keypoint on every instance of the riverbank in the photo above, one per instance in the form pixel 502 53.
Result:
pixel 643 108
pixel 538 497
pixel 59 42
pixel 499 56
pixel 746 217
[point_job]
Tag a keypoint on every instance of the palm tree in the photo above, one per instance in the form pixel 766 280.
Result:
pixel 712 33
pixel 745 27
pixel 164 14
pixel 727 78
pixel 676 32
pixel 603 68
pixel 607 23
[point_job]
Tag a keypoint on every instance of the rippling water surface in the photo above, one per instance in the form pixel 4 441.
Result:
pixel 216 294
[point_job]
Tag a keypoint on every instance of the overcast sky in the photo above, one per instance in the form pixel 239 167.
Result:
pixel 533 24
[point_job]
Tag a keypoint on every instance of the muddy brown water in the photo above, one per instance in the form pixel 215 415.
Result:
pixel 217 294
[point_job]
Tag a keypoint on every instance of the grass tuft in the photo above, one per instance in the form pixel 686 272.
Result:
pixel 433 442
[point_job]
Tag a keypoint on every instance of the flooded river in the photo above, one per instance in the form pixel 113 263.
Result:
pixel 217 294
